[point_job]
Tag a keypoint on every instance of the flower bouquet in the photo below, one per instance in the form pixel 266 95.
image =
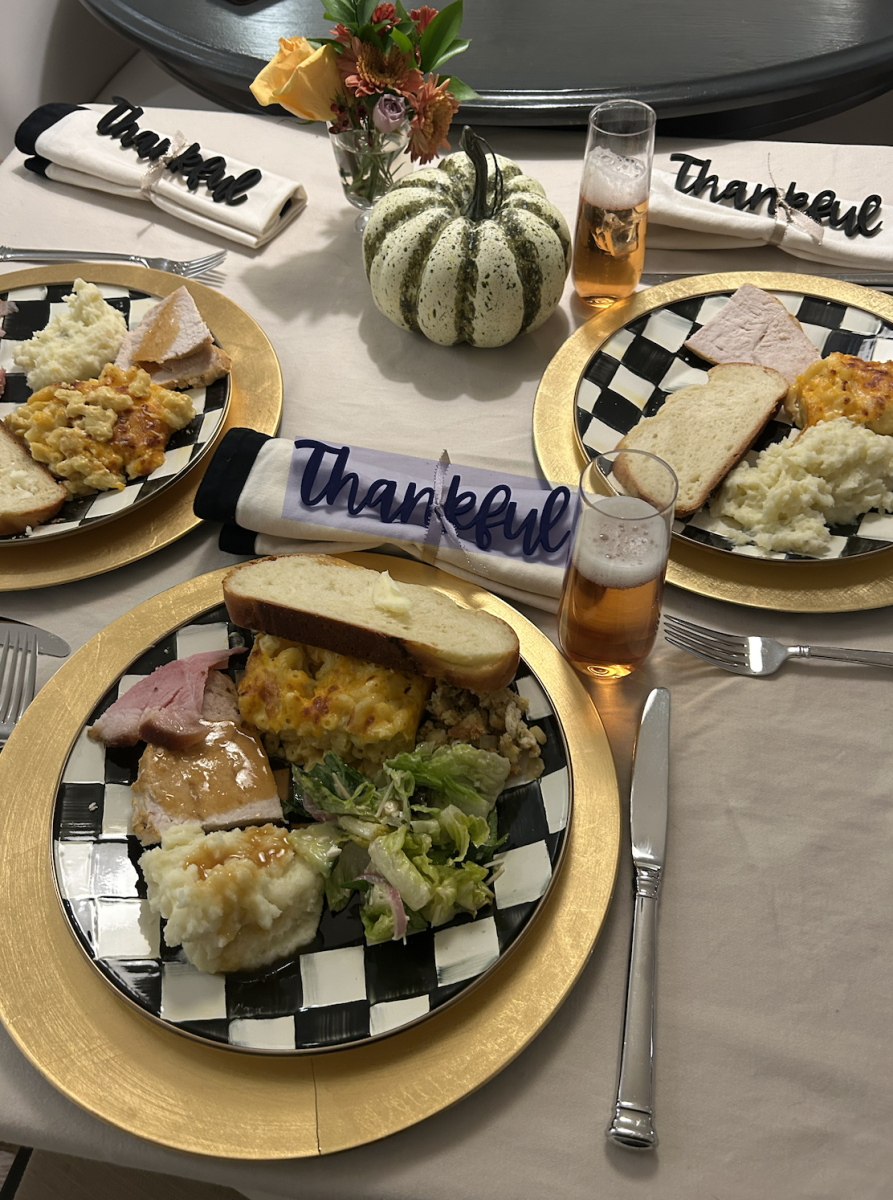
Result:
pixel 376 83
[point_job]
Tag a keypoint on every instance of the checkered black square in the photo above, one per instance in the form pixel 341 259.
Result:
pixel 36 305
pixel 632 374
pixel 338 990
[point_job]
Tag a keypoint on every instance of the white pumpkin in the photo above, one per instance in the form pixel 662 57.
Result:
pixel 468 251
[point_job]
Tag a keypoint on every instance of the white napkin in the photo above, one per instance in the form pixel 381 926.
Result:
pixel 251 475
pixel 684 221
pixel 75 153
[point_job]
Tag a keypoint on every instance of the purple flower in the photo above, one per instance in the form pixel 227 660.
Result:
pixel 389 113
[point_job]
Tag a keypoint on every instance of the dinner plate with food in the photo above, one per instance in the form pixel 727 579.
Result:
pixel 775 409
pixel 109 395
pixel 314 815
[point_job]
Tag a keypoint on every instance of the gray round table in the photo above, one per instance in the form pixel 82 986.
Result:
pixel 710 68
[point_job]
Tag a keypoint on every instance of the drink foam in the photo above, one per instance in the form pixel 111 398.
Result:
pixel 613 181
pixel 621 553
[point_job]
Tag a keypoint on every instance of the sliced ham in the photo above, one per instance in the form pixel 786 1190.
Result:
pixel 165 708
pixel 6 307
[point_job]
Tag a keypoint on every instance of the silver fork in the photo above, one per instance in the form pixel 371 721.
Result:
pixel 18 677
pixel 756 655
pixel 192 268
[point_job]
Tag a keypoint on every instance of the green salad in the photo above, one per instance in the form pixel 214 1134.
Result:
pixel 417 841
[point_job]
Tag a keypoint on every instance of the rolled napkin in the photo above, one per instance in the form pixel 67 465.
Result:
pixel 510 534
pixel 699 206
pixel 106 149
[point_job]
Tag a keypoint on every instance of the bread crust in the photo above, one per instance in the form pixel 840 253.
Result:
pixel 408 655
pixel 17 520
pixel 711 481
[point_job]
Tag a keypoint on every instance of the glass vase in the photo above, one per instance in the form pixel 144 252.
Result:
pixel 370 162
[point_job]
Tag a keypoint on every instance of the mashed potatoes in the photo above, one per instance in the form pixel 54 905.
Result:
pixel 77 343
pixel 829 474
pixel 238 900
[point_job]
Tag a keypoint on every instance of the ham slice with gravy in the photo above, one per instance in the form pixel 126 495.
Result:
pixel 165 708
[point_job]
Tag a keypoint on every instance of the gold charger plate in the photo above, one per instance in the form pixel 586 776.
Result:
pixel 842 585
pixel 255 401
pixel 135 1074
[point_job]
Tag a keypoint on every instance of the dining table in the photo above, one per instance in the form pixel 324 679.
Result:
pixel 773 971
pixel 705 69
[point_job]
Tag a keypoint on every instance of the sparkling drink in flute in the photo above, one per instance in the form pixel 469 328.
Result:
pixel 609 242
pixel 610 602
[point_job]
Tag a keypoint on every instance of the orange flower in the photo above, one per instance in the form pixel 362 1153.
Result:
pixel 303 80
pixel 377 72
pixel 434 107
pixel 423 17
pixel 384 12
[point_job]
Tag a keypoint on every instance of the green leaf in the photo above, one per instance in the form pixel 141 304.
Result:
pixel 365 9
pixel 402 13
pixel 401 40
pixel 459 46
pixel 461 90
pixel 440 34
pixel 342 11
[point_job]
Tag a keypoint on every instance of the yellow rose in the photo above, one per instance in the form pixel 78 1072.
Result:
pixel 301 79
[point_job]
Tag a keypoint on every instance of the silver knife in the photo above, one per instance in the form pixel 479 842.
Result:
pixel 633 1125
pixel 866 278
pixel 47 643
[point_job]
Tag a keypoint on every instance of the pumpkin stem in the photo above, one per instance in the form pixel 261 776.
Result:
pixel 481 209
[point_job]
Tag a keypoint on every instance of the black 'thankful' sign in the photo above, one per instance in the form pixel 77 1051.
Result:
pixel 823 208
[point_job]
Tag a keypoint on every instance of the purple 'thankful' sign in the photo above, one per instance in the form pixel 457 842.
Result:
pixel 373 493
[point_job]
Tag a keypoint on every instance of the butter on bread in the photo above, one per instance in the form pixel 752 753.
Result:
pixel 323 601
pixel 754 327
pixel 704 430
pixel 174 345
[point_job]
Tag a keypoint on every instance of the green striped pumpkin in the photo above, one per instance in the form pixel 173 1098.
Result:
pixel 468 251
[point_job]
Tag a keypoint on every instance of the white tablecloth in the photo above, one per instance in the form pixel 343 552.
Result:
pixel 774 980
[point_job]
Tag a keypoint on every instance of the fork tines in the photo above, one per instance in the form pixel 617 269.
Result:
pixel 18 674
pixel 710 644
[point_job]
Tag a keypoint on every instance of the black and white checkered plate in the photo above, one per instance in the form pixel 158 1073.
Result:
pixel 36 304
pixel 635 370
pixel 336 992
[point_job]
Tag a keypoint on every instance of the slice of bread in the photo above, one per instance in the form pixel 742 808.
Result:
pixel 704 430
pixel 754 327
pixel 326 602
pixel 29 494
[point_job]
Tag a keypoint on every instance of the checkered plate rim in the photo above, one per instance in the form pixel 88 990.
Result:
pixel 185 449
pixel 491 936
pixel 647 354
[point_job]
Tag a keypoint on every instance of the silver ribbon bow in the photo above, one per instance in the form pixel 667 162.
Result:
pixel 438 522
pixel 153 173
pixel 787 216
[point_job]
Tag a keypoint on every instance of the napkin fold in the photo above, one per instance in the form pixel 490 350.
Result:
pixel 208 188
pixel 252 486
pixel 701 205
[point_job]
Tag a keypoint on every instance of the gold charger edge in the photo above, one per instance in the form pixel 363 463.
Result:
pixel 152 1082
pixel 844 585
pixel 255 401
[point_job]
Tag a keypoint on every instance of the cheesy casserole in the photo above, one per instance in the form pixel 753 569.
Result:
pixel 97 434
pixel 842 385
pixel 306 701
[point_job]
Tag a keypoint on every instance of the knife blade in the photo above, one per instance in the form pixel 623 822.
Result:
pixel 633 1124
pixel 47 643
